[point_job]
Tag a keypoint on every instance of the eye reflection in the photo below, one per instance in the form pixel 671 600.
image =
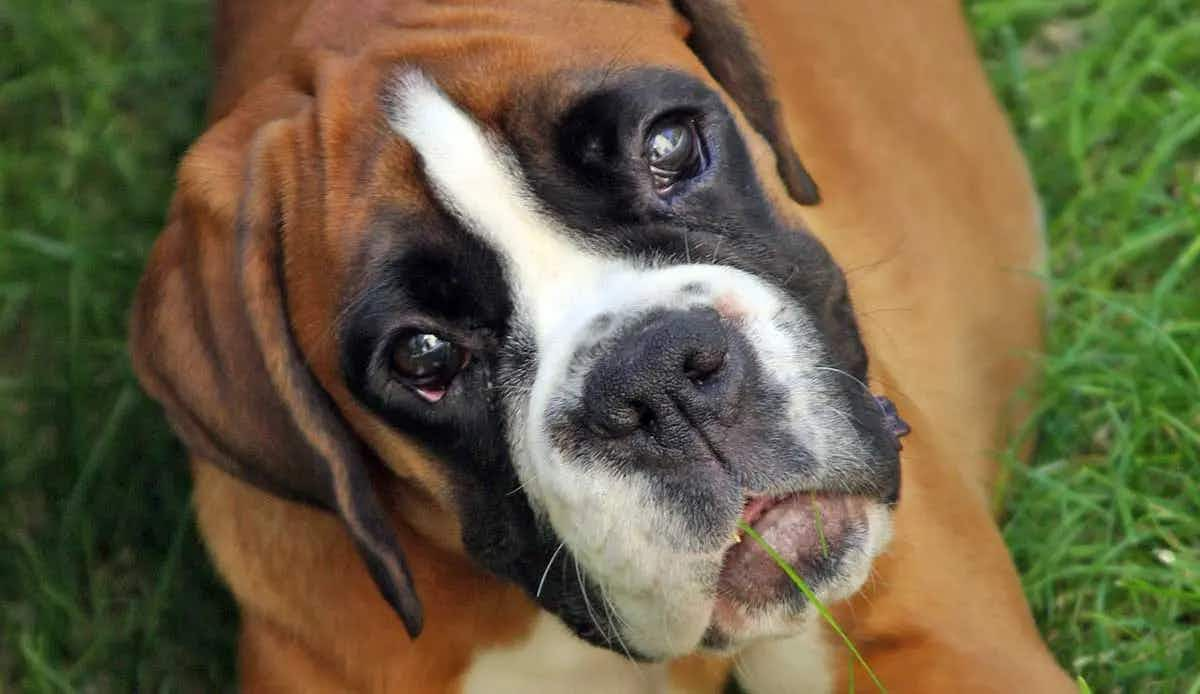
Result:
pixel 673 152
pixel 427 363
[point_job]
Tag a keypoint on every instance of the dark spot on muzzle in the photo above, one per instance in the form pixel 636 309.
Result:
pixel 891 419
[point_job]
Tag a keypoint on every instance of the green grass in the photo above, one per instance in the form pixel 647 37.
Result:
pixel 103 584
pixel 1105 525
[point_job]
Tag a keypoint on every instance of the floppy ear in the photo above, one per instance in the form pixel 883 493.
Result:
pixel 721 39
pixel 211 341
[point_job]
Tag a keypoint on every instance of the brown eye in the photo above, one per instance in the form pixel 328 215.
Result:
pixel 427 363
pixel 674 152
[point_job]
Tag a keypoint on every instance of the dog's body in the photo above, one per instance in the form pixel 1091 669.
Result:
pixel 926 206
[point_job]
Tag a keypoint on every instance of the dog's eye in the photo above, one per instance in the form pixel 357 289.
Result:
pixel 427 363
pixel 674 152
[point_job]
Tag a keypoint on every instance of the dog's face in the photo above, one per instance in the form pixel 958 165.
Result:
pixel 597 315
pixel 615 345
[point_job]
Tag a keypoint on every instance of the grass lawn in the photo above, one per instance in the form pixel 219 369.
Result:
pixel 104 586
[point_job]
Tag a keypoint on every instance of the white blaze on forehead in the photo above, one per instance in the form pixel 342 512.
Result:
pixel 478 180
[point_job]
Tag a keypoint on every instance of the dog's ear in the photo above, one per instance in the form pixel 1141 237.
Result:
pixel 211 340
pixel 721 38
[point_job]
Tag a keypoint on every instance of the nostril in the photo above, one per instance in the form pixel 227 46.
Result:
pixel 702 365
pixel 645 414
pixel 620 422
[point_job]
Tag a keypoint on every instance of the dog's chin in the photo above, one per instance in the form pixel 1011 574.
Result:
pixel 828 540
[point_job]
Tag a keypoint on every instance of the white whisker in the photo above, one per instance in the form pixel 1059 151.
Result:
pixel 547 571
pixel 611 611
pixel 852 377
pixel 588 603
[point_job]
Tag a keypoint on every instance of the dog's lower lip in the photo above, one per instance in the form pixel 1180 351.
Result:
pixel 756 506
pixel 811 530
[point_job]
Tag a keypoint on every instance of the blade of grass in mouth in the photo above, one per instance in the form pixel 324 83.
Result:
pixel 812 598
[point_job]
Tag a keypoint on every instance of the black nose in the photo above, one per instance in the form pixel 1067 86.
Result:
pixel 666 376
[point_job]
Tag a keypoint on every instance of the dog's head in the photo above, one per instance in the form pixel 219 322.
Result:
pixel 546 276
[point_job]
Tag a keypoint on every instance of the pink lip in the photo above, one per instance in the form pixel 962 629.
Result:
pixel 811 531
pixel 756 506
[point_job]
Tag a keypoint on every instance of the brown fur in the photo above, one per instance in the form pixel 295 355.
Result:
pixel 926 203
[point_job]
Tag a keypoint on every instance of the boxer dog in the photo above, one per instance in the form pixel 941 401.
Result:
pixel 490 326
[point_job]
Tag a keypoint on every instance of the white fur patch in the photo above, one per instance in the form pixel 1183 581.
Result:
pixel 552 659
pixel 782 666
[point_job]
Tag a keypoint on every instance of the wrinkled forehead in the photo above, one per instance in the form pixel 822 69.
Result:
pixel 481 55
pixel 516 59
pixel 477 52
